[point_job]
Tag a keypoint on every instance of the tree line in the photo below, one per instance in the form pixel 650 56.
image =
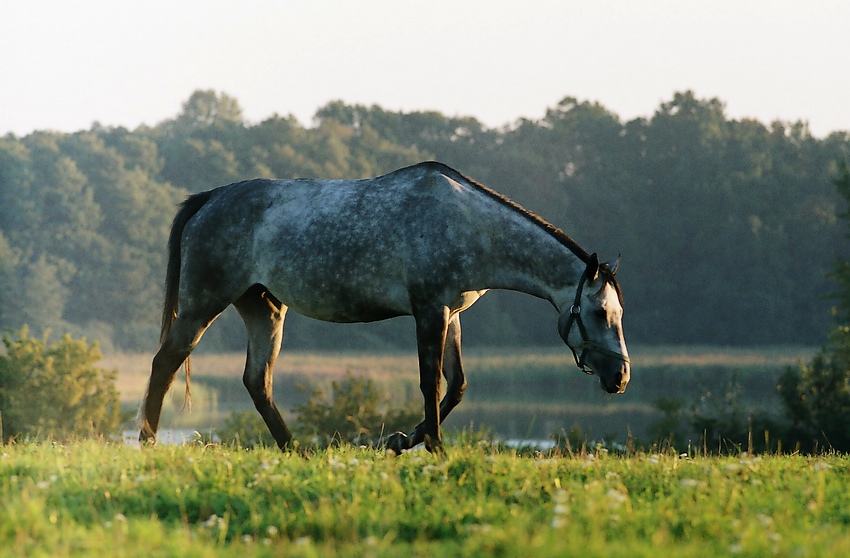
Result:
pixel 726 229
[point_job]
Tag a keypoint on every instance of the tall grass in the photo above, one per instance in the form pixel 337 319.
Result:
pixel 89 498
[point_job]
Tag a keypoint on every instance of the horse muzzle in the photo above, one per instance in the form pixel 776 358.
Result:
pixel 617 381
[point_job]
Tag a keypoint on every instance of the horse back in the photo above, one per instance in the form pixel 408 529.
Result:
pixel 341 250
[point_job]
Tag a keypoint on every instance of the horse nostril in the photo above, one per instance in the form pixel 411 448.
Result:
pixel 616 384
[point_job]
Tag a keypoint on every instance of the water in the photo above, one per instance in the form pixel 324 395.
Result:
pixel 541 445
pixel 167 436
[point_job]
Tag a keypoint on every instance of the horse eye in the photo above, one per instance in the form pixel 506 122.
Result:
pixel 601 314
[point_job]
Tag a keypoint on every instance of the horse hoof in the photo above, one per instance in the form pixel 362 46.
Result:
pixel 434 446
pixel 397 442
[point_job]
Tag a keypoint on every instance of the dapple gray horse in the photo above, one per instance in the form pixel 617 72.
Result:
pixel 422 241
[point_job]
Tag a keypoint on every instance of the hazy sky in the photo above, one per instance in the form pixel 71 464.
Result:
pixel 67 64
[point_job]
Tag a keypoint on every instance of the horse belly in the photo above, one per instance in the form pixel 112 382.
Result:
pixel 333 296
pixel 348 301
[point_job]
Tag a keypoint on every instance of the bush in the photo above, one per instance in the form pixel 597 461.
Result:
pixel 55 390
pixel 358 412
pixel 817 399
pixel 720 423
pixel 671 430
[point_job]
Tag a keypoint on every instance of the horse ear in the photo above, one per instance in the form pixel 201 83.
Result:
pixel 593 267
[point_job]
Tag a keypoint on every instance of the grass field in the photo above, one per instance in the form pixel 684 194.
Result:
pixel 525 394
pixel 89 498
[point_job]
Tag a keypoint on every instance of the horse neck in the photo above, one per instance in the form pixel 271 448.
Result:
pixel 529 259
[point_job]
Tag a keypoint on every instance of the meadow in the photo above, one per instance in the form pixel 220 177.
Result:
pixel 96 498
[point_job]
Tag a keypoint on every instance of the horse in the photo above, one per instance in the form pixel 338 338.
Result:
pixel 423 241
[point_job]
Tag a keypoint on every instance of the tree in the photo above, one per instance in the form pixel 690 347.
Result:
pixel 207 108
pixel 8 280
pixel 817 395
pixel 55 390
pixel 723 225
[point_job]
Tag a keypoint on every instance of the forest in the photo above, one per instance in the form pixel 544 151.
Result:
pixel 726 230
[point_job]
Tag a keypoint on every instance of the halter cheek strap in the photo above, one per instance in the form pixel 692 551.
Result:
pixel 565 325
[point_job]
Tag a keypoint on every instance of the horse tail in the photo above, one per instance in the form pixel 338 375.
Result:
pixel 187 210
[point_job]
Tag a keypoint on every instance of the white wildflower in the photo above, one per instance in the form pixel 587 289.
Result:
pixel 616 497
pixel 213 521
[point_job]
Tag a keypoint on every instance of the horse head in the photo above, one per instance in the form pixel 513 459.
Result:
pixel 592 327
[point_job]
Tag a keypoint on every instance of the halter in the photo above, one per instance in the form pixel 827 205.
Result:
pixel 586 344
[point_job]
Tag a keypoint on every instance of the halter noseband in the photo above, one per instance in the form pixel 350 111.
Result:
pixel 586 344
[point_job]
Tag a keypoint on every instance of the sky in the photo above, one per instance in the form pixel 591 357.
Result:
pixel 66 65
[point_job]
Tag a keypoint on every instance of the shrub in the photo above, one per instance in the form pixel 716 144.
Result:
pixel 55 390
pixel 718 423
pixel 817 399
pixel 671 430
pixel 358 412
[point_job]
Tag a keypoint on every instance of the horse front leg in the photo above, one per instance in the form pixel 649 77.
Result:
pixel 431 328
pixel 453 372
pixel 452 369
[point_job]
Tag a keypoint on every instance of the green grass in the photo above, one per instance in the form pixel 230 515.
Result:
pixel 89 498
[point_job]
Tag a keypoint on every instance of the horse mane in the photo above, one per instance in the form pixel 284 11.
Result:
pixel 608 273
pixel 554 231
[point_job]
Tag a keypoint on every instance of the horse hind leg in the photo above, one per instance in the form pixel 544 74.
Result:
pixel 263 315
pixel 183 337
